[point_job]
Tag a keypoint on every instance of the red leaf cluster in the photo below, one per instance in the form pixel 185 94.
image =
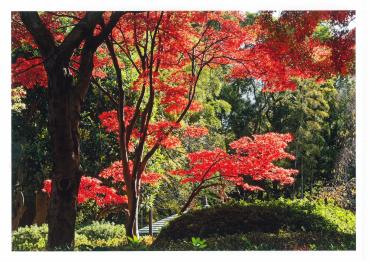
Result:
pixel 195 131
pixel 109 119
pixel 253 158
pixel 115 172
pixel 92 189
pixel 159 132
pixel 29 72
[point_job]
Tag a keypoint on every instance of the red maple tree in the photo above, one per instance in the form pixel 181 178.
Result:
pixel 252 158
pixel 168 51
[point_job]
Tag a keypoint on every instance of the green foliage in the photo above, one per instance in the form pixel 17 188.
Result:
pixel 97 236
pixel 30 238
pixel 317 114
pixel 83 243
pixel 198 243
pixel 86 213
pixel 31 155
pixel 283 240
pixel 102 230
pixel 322 32
pixel 135 243
pixel 274 225
pixel 263 218
pixel 333 218
pixel 305 113
pixel 17 101
pixel 98 148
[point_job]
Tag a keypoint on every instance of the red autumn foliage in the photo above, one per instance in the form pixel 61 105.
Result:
pixel 35 73
pixel 195 131
pixel 92 189
pixel 115 172
pixel 266 49
pixel 169 51
pixel 110 122
pixel 253 158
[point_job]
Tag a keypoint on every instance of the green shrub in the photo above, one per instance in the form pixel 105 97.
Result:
pixel 30 238
pixel 333 216
pixel 97 236
pixel 102 230
pixel 297 218
pixel 83 243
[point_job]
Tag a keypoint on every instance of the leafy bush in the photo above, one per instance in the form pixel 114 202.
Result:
pixel 297 218
pixel 102 230
pixel 83 243
pixel 30 238
pixel 97 236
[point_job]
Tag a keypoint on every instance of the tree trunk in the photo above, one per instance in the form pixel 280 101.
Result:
pixel 18 210
pixel 42 203
pixel 190 200
pixel 64 106
pixel 132 228
pixel 63 122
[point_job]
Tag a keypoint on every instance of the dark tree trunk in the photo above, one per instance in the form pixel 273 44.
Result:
pixel 132 228
pixel 18 209
pixel 64 105
pixel 63 117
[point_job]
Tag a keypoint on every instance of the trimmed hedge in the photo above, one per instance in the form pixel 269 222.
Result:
pixel 298 220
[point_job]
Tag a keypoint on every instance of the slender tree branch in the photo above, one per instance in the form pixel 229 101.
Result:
pixel 121 113
pixel 139 167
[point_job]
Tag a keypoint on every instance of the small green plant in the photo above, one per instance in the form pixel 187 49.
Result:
pixel 134 240
pixel 198 243
pixel 136 243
